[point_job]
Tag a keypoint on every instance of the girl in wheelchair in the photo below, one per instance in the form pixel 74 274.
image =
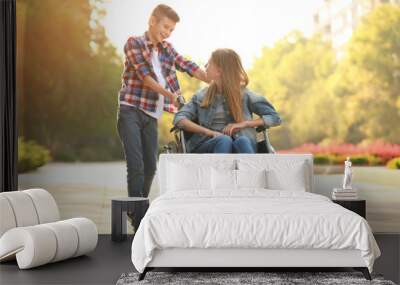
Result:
pixel 220 116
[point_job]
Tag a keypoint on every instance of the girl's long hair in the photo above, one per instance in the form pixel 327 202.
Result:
pixel 233 79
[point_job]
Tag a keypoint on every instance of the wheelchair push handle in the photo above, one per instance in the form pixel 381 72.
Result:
pixel 181 101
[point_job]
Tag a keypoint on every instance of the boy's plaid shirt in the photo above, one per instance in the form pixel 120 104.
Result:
pixel 138 65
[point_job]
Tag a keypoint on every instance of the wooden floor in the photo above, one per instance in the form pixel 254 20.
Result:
pixel 110 259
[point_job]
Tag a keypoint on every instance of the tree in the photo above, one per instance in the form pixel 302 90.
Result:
pixel 368 79
pixel 70 79
pixel 292 75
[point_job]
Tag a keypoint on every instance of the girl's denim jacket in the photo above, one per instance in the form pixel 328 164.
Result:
pixel 252 103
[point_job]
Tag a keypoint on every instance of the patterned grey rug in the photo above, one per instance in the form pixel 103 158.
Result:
pixel 243 278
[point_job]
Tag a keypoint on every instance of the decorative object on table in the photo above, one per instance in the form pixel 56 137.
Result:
pixel 31 230
pixel 348 175
pixel 347 192
pixel 119 209
pixel 344 194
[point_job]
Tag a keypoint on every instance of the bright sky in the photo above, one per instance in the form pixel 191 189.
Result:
pixel 243 25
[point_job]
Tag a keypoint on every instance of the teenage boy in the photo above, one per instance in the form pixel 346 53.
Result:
pixel 149 87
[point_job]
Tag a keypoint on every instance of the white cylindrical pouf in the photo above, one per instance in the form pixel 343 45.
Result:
pixel 45 205
pixel 87 234
pixel 67 240
pixel 23 207
pixel 37 245
pixel 34 244
pixel 7 218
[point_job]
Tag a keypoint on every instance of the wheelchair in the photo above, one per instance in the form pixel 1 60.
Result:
pixel 181 137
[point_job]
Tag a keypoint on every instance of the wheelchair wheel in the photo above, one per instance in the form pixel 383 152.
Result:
pixel 172 147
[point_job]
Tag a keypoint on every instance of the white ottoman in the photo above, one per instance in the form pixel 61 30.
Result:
pixel 31 232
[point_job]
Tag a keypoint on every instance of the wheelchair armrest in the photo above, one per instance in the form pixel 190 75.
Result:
pixel 258 129
pixel 261 129
pixel 175 128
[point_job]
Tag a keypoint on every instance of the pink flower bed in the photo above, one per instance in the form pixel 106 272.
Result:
pixel 384 151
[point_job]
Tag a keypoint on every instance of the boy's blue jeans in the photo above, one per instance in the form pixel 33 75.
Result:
pixel 225 144
pixel 139 137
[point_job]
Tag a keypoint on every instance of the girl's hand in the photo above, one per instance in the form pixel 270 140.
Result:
pixel 213 134
pixel 230 129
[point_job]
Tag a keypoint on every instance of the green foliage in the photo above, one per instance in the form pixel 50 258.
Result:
pixel 337 159
pixel 31 155
pixel 374 160
pixel 368 79
pixel 189 86
pixel 321 98
pixel 291 76
pixel 328 159
pixel 359 160
pixel 164 127
pixel 322 159
pixel 394 163
pixel 70 77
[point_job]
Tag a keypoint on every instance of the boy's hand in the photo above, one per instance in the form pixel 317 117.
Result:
pixel 178 101
pixel 201 75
